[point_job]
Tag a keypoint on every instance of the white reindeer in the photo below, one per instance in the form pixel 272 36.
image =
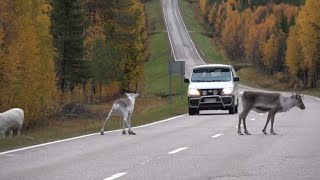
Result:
pixel 267 102
pixel 122 107
pixel 11 120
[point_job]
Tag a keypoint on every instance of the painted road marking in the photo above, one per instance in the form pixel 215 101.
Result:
pixel 217 135
pixel 88 135
pixel 10 155
pixel 115 176
pixel 177 150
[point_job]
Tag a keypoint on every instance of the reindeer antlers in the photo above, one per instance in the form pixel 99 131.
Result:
pixel 298 91
pixel 135 90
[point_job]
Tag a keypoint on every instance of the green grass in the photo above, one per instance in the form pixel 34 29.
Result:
pixel 157 82
pixel 251 77
pixel 198 32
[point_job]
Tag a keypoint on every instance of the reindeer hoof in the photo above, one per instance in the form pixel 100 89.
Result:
pixel 247 133
pixel 273 133
pixel 240 133
pixel 264 132
pixel 132 133
pixel 124 132
pixel 102 132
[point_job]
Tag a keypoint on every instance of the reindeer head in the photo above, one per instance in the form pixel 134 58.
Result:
pixel 298 101
pixel 298 98
pixel 134 95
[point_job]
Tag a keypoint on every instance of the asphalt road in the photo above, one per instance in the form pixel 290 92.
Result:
pixel 182 46
pixel 203 147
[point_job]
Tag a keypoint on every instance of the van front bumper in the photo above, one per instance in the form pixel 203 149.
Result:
pixel 212 102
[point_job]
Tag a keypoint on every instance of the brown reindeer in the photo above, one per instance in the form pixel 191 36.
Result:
pixel 267 102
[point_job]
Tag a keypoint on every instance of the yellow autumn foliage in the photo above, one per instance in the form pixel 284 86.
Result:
pixel 27 67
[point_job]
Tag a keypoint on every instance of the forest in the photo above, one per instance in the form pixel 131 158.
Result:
pixel 53 53
pixel 280 38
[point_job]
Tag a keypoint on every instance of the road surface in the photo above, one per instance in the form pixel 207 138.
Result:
pixel 203 147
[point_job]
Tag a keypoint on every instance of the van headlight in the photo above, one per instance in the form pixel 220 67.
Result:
pixel 193 92
pixel 227 91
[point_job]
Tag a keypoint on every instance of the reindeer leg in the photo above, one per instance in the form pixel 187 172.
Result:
pixel 2 135
pixel 125 120
pixel 105 122
pixel 129 122
pixel 239 124
pixel 10 133
pixel 265 127
pixel 18 131
pixel 245 127
pixel 272 121
pixel 123 127
pixel 243 115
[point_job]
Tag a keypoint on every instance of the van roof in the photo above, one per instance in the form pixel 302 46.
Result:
pixel 212 65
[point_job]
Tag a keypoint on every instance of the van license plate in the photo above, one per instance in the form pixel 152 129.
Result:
pixel 211 100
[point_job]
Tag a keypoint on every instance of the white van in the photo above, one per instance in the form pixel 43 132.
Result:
pixel 213 87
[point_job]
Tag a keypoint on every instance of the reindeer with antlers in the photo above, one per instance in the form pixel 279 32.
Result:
pixel 267 102
pixel 123 107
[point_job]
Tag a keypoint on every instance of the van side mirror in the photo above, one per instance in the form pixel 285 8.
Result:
pixel 186 80
pixel 236 78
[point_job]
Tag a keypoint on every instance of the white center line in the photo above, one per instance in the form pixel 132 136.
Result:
pixel 253 119
pixel 217 135
pixel 10 155
pixel 177 150
pixel 115 176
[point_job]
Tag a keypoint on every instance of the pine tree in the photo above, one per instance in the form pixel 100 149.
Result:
pixel 68 28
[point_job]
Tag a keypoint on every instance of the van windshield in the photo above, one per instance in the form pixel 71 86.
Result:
pixel 216 74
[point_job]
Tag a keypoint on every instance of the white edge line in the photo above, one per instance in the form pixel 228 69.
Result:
pixel 88 135
pixel 178 150
pixel 217 135
pixel 48 143
pixel 115 176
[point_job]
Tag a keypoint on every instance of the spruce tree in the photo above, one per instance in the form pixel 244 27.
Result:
pixel 68 33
